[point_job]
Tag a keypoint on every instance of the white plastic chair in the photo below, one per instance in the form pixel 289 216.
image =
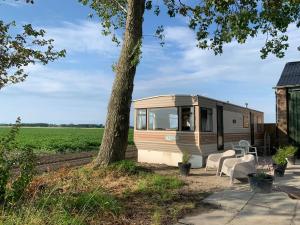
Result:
pixel 238 167
pixel 248 148
pixel 216 160
pixel 239 151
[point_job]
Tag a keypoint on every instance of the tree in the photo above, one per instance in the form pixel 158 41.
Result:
pixel 22 49
pixel 215 22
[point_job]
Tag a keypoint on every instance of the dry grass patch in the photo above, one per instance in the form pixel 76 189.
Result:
pixel 124 193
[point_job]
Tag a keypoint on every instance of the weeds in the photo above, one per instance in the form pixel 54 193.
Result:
pixel 128 167
pixel 95 201
pixel 12 157
pixel 159 184
pixel 88 196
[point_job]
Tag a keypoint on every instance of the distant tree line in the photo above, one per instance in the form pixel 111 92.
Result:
pixel 55 125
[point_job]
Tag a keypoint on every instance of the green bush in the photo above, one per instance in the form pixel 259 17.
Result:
pixel 11 157
pixel 284 152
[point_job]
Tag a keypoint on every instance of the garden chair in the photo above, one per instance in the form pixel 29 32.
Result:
pixel 238 167
pixel 239 151
pixel 216 160
pixel 248 148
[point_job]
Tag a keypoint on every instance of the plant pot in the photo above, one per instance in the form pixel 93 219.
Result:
pixel 260 184
pixel 279 170
pixel 184 168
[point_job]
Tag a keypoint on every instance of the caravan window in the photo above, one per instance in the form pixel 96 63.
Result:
pixel 206 120
pixel 260 126
pixel 163 119
pixel 246 121
pixel 187 119
pixel 141 119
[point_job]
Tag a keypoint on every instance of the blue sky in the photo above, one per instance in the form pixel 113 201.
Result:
pixel 76 89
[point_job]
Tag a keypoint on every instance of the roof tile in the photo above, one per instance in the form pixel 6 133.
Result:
pixel 290 75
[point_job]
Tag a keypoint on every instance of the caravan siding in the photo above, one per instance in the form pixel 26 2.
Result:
pixel 167 146
pixel 165 101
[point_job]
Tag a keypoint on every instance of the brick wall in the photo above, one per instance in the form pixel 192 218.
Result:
pixel 282 116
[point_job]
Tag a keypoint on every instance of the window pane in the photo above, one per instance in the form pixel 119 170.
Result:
pixel 206 120
pixel 141 121
pixel 246 121
pixel 163 119
pixel 259 124
pixel 187 118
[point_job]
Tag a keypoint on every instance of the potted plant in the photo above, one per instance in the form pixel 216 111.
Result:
pixel 261 182
pixel 281 157
pixel 185 165
pixel 291 154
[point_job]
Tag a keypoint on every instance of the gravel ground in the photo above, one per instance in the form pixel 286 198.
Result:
pixel 200 180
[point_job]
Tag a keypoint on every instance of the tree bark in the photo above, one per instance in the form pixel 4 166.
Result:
pixel 115 138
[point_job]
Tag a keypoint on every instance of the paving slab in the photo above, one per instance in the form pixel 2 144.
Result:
pixel 240 206
pixel 296 217
pixel 230 200
pixel 276 202
pixel 215 217
pixel 252 214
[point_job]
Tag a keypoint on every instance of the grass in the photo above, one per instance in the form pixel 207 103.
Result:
pixel 162 186
pixel 52 140
pixel 124 193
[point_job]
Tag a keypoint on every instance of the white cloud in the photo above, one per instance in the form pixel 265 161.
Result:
pixel 50 82
pixel 13 3
pixel 238 62
pixel 238 75
pixel 82 37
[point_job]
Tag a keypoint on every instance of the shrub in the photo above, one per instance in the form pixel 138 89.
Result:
pixel 284 152
pixel 26 164
pixel 10 157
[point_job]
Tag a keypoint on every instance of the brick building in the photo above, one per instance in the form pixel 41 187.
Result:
pixel 288 105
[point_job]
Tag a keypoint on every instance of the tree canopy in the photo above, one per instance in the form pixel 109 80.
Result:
pixel 18 50
pixel 215 22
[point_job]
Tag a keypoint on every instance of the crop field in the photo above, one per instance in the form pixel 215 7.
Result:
pixel 53 140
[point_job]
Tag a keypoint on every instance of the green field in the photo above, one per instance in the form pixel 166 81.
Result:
pixel 52 140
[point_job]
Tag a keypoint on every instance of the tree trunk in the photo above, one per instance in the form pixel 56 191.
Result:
pixel 115 138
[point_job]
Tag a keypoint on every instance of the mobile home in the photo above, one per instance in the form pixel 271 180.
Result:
pixel 166 126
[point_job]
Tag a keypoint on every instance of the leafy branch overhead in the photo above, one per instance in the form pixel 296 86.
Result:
pixel 20 50
pixel 215 22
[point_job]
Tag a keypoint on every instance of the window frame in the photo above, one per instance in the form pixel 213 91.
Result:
pixel 148 117
pixel 212 120
pixel 136 118
pixel 259 124
pixel 194 118
pixel 248 121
